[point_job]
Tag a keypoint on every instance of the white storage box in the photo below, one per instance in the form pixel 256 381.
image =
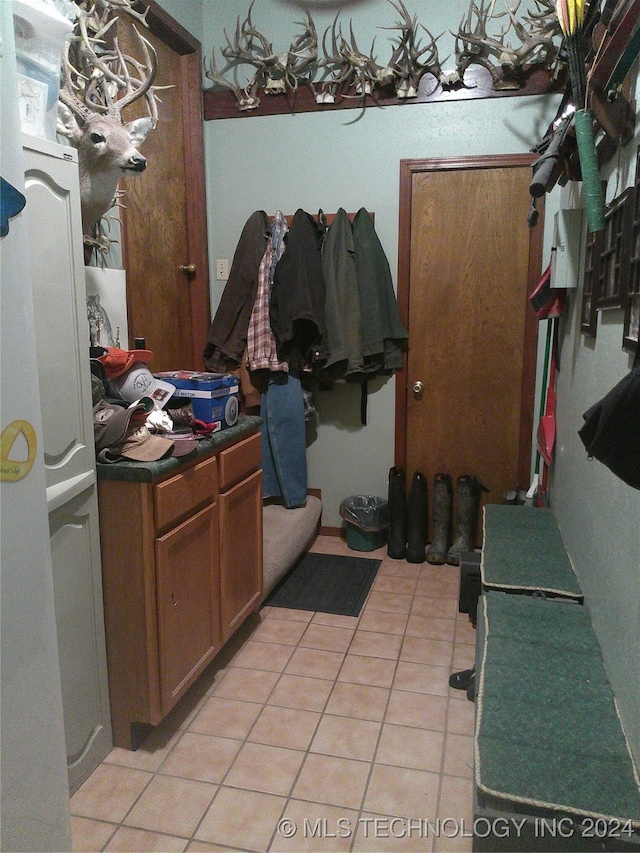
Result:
pixel 40 34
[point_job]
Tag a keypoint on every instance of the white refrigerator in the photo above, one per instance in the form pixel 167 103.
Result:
pixel 33 772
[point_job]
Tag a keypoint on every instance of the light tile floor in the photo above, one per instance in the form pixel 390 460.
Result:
pixel 309 732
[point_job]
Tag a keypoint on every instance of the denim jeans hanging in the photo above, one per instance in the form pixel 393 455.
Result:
pixel 284 452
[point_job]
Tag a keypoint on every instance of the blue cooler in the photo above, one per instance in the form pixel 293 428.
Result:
pixel 214 396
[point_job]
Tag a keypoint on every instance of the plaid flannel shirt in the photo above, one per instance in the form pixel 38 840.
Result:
pixel 262 351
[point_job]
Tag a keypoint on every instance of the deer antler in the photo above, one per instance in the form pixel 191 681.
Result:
pixel 478 47
pixel 250 47
pixel 108 7
pixel 302 58
pixel 137 87
pixel 347 65
pixel 246 97
pixel 406 63
pixel 275 72
pixel 543 22
pixel 243 50
pixel 334 73
pixel 94 76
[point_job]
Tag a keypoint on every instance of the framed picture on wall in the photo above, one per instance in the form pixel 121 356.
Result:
pixel 615 252
pixel 590 284
pixel 631 323
pixel 107 307
pixel 632 303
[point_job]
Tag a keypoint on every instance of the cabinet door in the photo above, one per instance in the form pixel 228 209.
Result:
pixel 75 554
pixel 240 552
pixel 60 307
pixel 188 602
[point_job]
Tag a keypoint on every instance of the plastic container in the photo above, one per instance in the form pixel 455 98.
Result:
pixel 367 519
pixel 214 396
pixel 40 33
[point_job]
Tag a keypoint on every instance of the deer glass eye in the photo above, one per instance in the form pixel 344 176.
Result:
pixel 97 137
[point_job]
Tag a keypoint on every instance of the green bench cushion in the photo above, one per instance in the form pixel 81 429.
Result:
pixel 548 734
pixel 523 551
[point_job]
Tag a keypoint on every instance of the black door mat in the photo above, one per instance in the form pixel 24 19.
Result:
pixel 327 584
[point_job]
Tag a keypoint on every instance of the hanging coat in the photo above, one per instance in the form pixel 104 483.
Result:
pixel 227 338
pixel 382 330
pixel 261 343
pixel 611 429
pixel 342 302
pixel 298 293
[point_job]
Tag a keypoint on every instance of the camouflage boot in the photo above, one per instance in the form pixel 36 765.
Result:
pixel 467 505
pixel 441 500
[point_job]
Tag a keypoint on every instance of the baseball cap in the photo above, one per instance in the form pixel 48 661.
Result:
pixel 117 361
pixel 183 445
pixel 137 382
pixel 142 446
pixel 122 432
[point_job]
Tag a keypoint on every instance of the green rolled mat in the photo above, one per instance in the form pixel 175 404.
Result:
pixel 590 169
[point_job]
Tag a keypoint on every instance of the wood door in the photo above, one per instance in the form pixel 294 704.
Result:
pixel 468 261
pixel 164 219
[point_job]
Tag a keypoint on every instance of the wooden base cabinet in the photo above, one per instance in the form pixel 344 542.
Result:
pixel 182 569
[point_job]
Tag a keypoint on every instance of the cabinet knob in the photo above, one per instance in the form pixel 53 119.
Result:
pixel 418 388
pixel 188 269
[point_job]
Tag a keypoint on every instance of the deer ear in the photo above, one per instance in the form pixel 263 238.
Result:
pixel 67 124
pixel 138 130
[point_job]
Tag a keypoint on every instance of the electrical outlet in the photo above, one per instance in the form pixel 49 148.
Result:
pixel 222 269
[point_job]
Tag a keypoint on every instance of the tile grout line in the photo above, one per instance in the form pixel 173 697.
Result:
pixel 321 715
pixel 382 722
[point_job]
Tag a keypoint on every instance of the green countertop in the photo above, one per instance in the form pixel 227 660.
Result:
pixel 147 472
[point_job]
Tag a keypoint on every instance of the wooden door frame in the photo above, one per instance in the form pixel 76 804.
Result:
pixel 175 36
pixel 408 168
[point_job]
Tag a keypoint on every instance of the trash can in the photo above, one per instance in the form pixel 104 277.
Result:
pixel 367 519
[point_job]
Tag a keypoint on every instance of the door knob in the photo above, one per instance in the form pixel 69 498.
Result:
pixel 418 388
pixel 188 269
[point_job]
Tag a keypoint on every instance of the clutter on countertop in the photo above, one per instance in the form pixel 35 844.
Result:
pixel 139 417
pixel 146 472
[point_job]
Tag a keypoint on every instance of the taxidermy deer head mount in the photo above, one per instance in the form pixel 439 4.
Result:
pixel 97 84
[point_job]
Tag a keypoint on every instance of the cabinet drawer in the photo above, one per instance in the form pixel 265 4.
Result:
pixel 180 495
pixel 239 461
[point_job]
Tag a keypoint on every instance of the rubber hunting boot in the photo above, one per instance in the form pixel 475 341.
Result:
pixel 441 499
pixel 397 495
pixel 467 503
pixel 417 519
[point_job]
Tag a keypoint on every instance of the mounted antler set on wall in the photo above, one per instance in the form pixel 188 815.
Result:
pixel 345 71
pixel 275 72
pixel 98 82
pixel 538 34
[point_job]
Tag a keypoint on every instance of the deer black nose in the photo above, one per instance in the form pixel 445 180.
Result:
pixel 137 163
